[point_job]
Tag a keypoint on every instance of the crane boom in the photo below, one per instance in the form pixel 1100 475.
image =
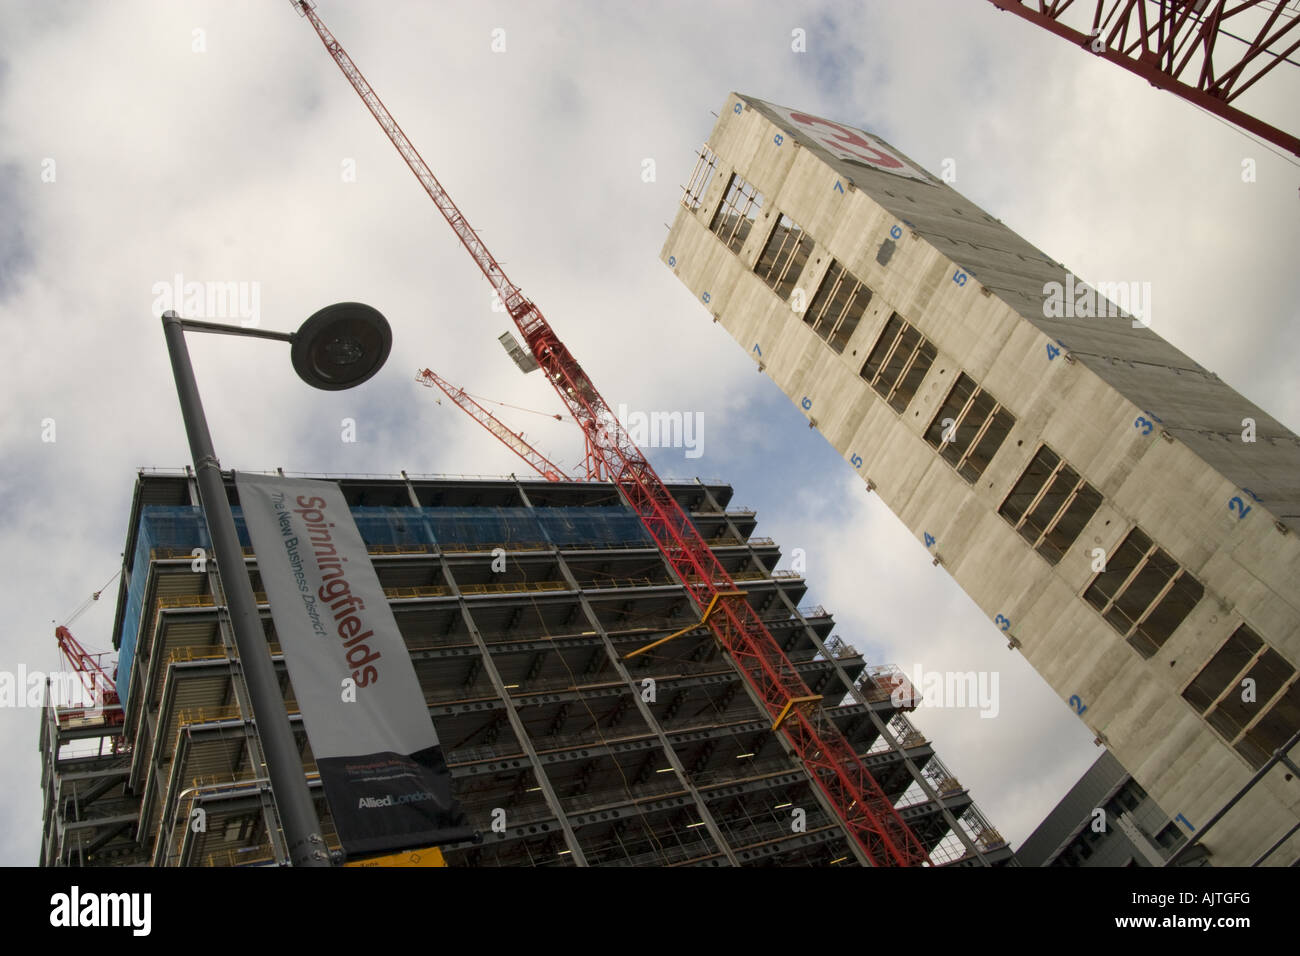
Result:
pixel 508 292
pixel 856 798
pixel 92 675
pixel 539 462
pixel 1175 45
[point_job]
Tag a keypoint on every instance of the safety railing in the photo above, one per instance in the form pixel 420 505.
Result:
pixel 887 682
pixel 209 652
pixel 676 853
pixel 170 472
pixel 753 833
pixel 625 545
pixel 467 755
pixel 206 715
pixel 428 590
pixel 940 777
pixel 395 593
pixel 402 549
pixel 948 850
pixel 215 783
pixel 512 587
pixel 983 832
pixel 181 554
pixel 618 796
pixel 461 547
pixel 438 590
pixel 903 731
pixel 184 600
pixel 590 738
pixel 766 575
pixel 255 856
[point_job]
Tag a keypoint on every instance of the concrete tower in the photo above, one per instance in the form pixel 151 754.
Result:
pixel 1125 518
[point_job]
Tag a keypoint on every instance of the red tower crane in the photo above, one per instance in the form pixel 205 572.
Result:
pixel 539 462
pixel 1207 52
pixel 857 799
pixel 96 681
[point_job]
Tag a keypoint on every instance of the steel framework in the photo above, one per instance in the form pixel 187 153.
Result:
pixel 1174 45
pixel 90 671
pixel 866 812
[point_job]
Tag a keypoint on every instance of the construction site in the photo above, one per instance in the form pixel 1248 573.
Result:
pixel 580 754
pixel 617 674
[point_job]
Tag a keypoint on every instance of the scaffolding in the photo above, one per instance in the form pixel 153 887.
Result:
pixel 561 752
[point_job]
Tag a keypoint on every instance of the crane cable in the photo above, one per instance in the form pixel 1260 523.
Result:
pixel 85 605
pixel 532 411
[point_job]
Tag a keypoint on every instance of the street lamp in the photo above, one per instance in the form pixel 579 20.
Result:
pixel 340 346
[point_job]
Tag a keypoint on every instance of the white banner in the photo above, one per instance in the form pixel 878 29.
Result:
pixel 365 715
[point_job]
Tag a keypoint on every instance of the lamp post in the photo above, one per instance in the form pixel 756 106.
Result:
pixel 340 346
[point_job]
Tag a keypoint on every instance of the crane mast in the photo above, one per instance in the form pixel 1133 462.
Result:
pixel 857 799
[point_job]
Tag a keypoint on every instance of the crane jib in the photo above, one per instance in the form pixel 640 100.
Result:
pixel 881 835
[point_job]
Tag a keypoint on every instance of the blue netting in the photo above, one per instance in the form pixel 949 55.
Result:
pixel 564 527
pixel 182 528
pixel 484 525
pixel 391 526
pixel 161 526
pixel 609 524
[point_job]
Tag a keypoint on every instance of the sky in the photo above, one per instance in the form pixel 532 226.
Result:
pixel 145 140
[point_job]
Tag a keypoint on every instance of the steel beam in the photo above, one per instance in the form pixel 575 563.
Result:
pixel 1173 46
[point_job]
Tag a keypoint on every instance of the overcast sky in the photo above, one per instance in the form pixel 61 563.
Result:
pixel 218 141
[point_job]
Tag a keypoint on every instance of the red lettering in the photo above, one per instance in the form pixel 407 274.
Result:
pixel 367 655
pixel 848 141
pixel 332 590
pixel 358 639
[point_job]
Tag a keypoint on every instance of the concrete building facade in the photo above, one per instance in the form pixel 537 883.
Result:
pixel 518 601
pixel 1125 519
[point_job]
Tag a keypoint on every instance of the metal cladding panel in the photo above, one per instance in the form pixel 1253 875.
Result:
pixel 1088 793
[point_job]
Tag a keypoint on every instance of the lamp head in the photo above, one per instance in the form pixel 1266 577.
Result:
pixel 340 346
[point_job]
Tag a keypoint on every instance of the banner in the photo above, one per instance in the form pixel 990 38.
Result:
pixel 380 763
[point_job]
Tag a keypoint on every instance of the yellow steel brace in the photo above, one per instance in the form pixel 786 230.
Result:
pixel 704 619
pixel 799 703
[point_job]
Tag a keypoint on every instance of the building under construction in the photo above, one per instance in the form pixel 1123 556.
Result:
pixel 519 602
pixel 1126 520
